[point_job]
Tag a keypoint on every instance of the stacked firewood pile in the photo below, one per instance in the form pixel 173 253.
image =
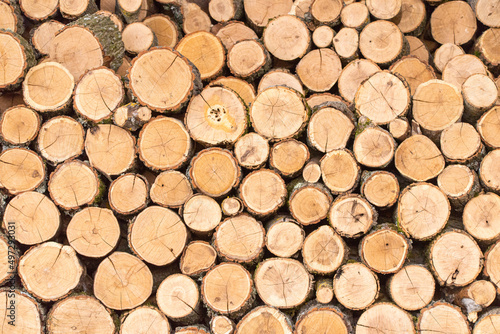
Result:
pixel 249 166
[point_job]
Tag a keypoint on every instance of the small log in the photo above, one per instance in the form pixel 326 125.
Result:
pixel 65 185
pixel 355 15
pixel 201 214
pixel 322 36
pixel 89 42
pixel 122 281
pixel 228 289
pixel 340 171
pixel 346 43
pixel 131 116
pixel 461 268
pixel 225 10
pixel 319 69
pixel 384 250
pixel 488 323
pixel 164 28
pixel 21 170
pixel 353 74
pixel 460 184
pixel 423 211
pixel 445 53
pixel 352 216
pixel 164 144
pixel 491 258
pixel 251 150
pixel 324 251
pixel 240 239
pixel 171 189
pixel 10 17
pixel 480 94
pixel 73 314
pixel 93 232
pixel 488 127
pixel 453 22
pixel 205 51
pixel 216 116
pixel 221 324
pixel 315 100
pixel 147 71
pixel 486 12
pixel 178 297
pixel 39 10
pixel 382 105
pixel 417 158
pixel 380 188
pixel 322 319
pixel 259 14
pixel 280 77
pixel 27 312
pixel 265 319
pixel 384 10
pixel 282 282
pixel 50 271
pixel 198 258
pixel 462 67
pixel 116 20
pixel 110 149
pixel 128 194
pixel 385 317
pixel 488 171
pixel 414 71
pixel 356 287
pixel 309 203
pixel 374 147
pixel 33 216
pixel 214 172
pixel 383 42
pixel 481 217
pixel 71 9
pixel 288 157
pixel 400 128
pixel 476 297
pixel 326 11
pixel 231 206
pixel 412 288
pixel 248 59
pixel 60 138
pixel 263 192
pixel 430 319
pixel 460 143
pixel 284 236
pixel 412 18
pixel 324 291
pixel 287 119
pixel 234 31
pixel 138 37
pixel 487 46
pixel 312 171
pixel 19 125
pixel 244 90
pixel 21 59
pixel 144 318
pixel 48 87
pixel 157 241
pixel 196 329
pixel 287 38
